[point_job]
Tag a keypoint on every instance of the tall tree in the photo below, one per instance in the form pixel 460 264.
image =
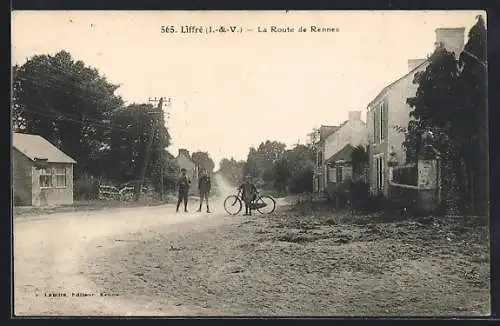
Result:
pixel 293 172
pixel 472 84
pixel 203 160
pixel 231 170
pixel 448 91
pixel 66 102
pixel 131 130
pixel 260 161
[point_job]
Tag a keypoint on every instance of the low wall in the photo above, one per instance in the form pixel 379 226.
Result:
pixel 403 195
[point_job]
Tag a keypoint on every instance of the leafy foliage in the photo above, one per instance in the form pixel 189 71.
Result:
pixel 76 108
pixel 260 161
pixel 359 159
pixel 451 101
pixel 203 160
pixel 65 102
pixel 232 170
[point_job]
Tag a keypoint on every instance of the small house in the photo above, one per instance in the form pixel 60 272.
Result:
pixel 185 162
pixel 42 175
pixel 336 142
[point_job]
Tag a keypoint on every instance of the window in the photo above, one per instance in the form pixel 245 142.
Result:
pixel 45 178
pixel 332 177
pixel 320 158
pixel 59 177
pixel 380 121
pixel 383 119
pixel 53 177
pixel 379 171
pixel 339 174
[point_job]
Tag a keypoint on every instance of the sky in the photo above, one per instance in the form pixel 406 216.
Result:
pixel 231 91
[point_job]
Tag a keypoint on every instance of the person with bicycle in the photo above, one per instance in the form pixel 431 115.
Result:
pixel 248 194
pixel 204 186
pixel 184 184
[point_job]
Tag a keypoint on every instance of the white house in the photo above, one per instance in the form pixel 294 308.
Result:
pixel 351 132
pixel 389 110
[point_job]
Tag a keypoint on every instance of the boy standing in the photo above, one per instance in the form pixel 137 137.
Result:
pixel 248 193
pixel 204 186
pixel 184 183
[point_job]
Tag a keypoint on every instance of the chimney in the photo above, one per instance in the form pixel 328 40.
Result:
pixel 413 63
pixel 354 115
pixel 452 39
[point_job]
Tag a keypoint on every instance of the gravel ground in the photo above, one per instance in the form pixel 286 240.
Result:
pixel 296 264
pixel 54 260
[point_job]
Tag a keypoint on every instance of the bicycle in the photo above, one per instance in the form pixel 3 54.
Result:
pixel 264 204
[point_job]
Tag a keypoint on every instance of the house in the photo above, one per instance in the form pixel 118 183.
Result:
pixel 334 147
pixel 319 175
pixel 339 166
pixel 41 173
pixel 389 111
pixel 184 161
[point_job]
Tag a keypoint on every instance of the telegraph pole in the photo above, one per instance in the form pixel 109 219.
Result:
pixel 162 142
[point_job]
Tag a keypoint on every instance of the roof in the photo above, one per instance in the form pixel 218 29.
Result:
pixel 37 147
pixel 344 154
pixel 326 131
pixel 388 87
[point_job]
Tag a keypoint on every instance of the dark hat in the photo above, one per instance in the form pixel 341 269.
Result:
pixel 183 170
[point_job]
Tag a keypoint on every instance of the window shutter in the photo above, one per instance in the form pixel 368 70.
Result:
pixel 385 109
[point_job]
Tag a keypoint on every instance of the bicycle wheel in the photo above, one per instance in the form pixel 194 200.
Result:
pixel 232 205
pixel 268 204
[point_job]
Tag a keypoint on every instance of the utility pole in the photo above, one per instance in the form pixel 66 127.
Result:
pixel 162 142
pixel 146 159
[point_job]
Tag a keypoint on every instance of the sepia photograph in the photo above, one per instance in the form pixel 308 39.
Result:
pixel 250 163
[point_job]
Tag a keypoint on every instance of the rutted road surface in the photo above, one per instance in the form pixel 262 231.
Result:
pixel 50 250
pixel 154 262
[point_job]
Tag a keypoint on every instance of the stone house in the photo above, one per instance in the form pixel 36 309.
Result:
pixel 319 175
pixel 42 174
pixel 333 148
pixel 389 111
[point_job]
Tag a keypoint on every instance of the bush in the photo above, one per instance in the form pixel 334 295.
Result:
pixel 373 203
pixel 86 188
pixel 359 194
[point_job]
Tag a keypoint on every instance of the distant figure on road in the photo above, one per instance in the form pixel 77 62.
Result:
pixel 248 193
pixel 204 186
pixel 184 183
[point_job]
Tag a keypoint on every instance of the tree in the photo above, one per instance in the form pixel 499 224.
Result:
pixel 231 170
pixel 66 102
pixel 203 160
pixel 131 130
pixel 472 85
pixel 170 172
pixel 359 159
pixel 293 172
pixel 301 160
pixel 449 90
pixel 260 161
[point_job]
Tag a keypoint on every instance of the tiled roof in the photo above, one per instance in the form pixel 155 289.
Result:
pixel 37 147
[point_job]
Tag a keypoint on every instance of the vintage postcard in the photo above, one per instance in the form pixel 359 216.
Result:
pixel 250 163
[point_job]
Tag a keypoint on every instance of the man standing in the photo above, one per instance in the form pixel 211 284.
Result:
pixel 204 186
pixel 248 193
pixel 184 183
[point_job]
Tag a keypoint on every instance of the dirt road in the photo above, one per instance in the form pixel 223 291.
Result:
pixel 154 262
pixel 49 252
